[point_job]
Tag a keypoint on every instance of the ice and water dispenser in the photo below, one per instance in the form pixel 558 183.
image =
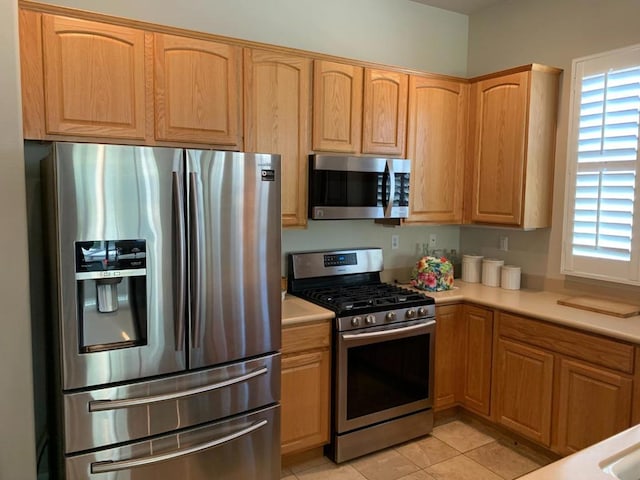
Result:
pixel 111 282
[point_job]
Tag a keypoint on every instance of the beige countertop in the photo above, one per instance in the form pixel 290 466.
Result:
pixel 588 463
pixel 533 303
pixel 542 305
pixel 296 311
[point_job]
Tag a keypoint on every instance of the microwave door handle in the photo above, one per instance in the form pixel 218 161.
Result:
pixel 180 261
pixel 196 222
pixel 111 466
pixel 392 188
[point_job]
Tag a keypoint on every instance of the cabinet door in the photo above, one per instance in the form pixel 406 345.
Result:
pixel 277 108
pixel 197 91
pixel 499 140
pixel 523 389
pixel 384 113
pixel 337 107
pixel 305 401
pixel 449 344
pixel 436 145
pixel 95 78
pixel 478 325
pixel 593 404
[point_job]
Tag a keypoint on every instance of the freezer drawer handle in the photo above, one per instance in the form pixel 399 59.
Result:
pixel 102 405
pixel 111 466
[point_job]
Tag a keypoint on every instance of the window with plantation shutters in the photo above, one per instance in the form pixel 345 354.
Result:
pixel 602 225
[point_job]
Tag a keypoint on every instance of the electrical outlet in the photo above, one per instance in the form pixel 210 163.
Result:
pixel 395 242
pixel 433 239
pixel 504 243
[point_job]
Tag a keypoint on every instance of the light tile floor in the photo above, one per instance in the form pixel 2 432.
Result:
pixel 459 450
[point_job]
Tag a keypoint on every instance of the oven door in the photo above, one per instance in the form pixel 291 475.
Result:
pixel 383 373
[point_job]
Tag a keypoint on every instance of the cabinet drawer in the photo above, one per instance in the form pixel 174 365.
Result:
pixel 306 337
pixel 594 349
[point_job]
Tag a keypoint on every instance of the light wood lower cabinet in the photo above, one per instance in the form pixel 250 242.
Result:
pixel 593 404
pixel 523 392
pixel 478 336
pixel 562 388
pixel 448 358
pixel 306 362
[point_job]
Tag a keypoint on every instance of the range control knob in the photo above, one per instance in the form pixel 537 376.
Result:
pixel 422 311
pixel 390 317
pixel 370 319
pixel 410 314
pixel 355 321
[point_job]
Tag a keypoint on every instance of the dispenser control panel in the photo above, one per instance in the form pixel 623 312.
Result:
pixel 110 258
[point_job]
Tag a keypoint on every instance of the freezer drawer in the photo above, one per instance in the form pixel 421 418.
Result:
pixel 133 411
pixel 241 448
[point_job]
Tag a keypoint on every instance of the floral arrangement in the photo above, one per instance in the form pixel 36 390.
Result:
pixel 432 274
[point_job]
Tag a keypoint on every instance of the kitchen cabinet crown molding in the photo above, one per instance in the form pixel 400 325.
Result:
pixel 160 28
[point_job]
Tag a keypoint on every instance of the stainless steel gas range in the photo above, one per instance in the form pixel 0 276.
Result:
pixel 383 346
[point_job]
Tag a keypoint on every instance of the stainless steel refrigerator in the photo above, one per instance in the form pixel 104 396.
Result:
pixel 165 312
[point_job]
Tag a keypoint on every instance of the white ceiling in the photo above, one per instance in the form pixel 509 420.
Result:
pixel 461 6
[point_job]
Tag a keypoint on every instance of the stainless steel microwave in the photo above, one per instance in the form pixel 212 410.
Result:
pixel 351 187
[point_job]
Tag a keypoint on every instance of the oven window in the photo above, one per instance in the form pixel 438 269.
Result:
pixel 387 374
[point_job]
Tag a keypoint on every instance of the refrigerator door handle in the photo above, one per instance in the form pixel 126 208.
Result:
pixel 196 260
pixel 103 405
pixel 111 466
pixel 180 252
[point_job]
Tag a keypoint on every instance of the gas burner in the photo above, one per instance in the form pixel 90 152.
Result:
pixel 365 298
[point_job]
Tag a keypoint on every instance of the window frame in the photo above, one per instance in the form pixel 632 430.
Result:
pixel 627 272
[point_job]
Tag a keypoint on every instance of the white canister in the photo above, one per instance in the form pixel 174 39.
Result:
pixel 471 268
pixel 510 277
pixel 491 272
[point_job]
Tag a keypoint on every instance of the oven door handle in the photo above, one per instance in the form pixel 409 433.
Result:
pixel 387 333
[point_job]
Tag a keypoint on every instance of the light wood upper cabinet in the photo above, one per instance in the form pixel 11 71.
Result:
pixel 478 337
pixel 358 110
pixel 306 364
pixel 277 116
pixel 436 145
pixel 593 404
pixel 384 114
pixel 523 383
pixel 513 129
pixel 93 78
pixel 197 92
pixel 337 107
pixel 448 361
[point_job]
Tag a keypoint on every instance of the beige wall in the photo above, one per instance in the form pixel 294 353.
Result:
pixel 552 32
pixel 17 455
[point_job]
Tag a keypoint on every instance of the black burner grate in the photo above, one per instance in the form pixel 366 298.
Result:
pixel 365 298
